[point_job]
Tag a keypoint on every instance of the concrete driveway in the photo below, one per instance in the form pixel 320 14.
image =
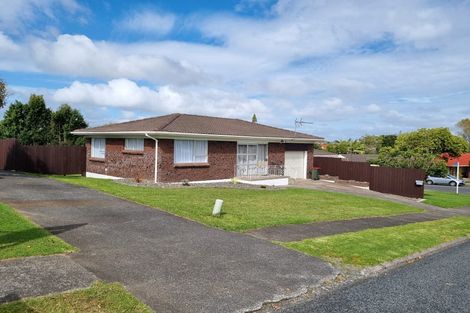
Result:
pixel 170 263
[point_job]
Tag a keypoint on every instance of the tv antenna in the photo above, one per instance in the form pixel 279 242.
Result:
pixel 299 123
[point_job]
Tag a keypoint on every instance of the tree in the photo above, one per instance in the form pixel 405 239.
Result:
pixel 432 140
pixel 372 144
pixel 254 119
pixel 3 93
pixel 65 120
pixel 423 149
pixel 14 121
pixel 29 123
pixel 38 121
pixel 464 126
pixel 388 140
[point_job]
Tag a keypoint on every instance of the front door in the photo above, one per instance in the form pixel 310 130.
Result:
pixel 295 164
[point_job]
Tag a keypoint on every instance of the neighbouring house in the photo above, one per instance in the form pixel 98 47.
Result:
pixel 178 147
pixel 351 157
pixel 464 164
pixel 320 153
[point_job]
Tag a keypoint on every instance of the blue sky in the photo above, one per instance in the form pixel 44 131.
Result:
pixel 350 67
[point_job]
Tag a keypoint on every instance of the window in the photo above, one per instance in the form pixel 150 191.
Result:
pixel 134 144
pixel 98 148
pixel 252 159
pixel 190 151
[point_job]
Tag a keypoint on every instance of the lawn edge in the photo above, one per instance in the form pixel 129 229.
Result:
pixel 412 258
pixel 73 250
pixel 246 231
pixel 347 276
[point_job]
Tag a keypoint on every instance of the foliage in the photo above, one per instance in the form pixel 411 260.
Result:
pixel 254 119
pixel 99 298
pixel 3 93
pixel 430 163
pixel 65 120
pixel 374 246
pixel 20 238
pixel 464 126
pixel 432 140
pixel 14 124
pixel 422 149
pixel 246 209
pixel 447 199
pixel 368 144
pixel 34 123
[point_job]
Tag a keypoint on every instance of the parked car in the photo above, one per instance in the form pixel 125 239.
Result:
pixel 448 180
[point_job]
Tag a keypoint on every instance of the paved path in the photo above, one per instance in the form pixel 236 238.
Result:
pixel 287 233
pixel 439 283
pixel 462 189
pixel 170 263
pixel 37 276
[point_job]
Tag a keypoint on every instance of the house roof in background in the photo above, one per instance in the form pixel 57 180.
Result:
pixel 464 160
pixel 197 124
pixel 353 157
pixel 326 154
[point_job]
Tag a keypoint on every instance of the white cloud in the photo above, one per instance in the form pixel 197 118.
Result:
pixel 373 108
pixel 149 22
pixel 126 94
pixel 17 14
pixel 79 56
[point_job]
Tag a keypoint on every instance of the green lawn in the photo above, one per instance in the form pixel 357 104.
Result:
pixel 20 238
pixel 100 298
pixel 246 209
pixel 375 246
pixel 446 199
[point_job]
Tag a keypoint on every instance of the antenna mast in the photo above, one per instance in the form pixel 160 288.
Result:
pixel 300 123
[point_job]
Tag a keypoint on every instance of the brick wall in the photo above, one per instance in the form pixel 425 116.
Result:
pixel 222 159
pixel 276 153
pixel 221 163
pixel 122 164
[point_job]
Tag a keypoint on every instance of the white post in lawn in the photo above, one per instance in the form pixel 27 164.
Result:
pixel 217 207
pixel 457 187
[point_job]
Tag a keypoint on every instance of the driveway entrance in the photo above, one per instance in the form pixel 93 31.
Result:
pixel 170 263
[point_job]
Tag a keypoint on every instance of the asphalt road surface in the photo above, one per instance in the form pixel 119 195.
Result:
pixel 462 189
pixel 439 283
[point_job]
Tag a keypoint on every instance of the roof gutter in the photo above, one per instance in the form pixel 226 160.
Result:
pixel 156 158
pixel 171 135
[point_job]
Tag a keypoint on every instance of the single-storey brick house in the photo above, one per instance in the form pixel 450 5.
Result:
pixel 178 147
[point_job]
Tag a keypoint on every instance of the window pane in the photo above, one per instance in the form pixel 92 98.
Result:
pixel 134 144
pixel 252 159
pixel 262 152
pixel 190 151
pixel 242 159
pixel 98 147
pixel 200 151
pixel 252 149
pixel 242 149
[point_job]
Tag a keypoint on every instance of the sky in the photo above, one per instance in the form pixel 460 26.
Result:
pixel 349 67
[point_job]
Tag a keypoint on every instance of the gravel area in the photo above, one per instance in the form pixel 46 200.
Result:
pixel 148 183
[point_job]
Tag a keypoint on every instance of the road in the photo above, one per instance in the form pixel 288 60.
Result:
pixel 462 189
pixel 440 283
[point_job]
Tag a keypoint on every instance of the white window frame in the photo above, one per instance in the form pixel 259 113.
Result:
pixel 98 148
pixel 134 144
pixel 193 152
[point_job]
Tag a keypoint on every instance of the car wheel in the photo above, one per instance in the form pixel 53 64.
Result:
pixel 429 182
pixel 453 184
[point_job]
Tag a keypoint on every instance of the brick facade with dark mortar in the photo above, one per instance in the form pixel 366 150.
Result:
pixel 120 163
pixel 222 158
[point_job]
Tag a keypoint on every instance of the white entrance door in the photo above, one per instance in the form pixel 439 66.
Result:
pixel 295 164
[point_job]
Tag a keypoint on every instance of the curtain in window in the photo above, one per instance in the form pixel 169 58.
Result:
pixel 134 144
pixel 98 147
pixel 190 151
pixel 262 153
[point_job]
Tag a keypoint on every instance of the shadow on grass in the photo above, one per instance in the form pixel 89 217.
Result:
pixel 10 239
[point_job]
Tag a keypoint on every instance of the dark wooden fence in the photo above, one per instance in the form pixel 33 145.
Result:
pixel 47 159
pixel 399 181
